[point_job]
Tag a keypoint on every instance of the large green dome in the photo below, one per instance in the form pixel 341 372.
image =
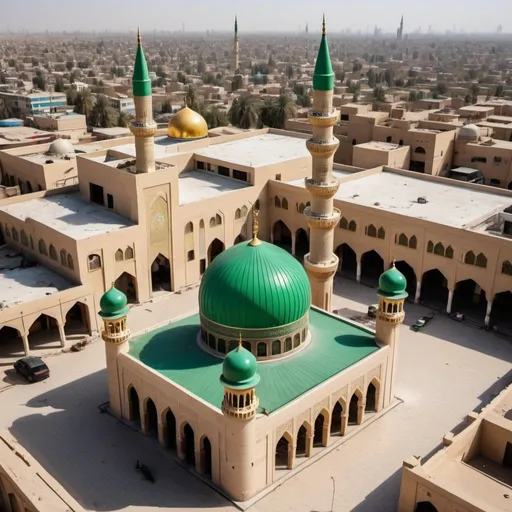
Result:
pixel 113 304
pixel 254 287
pixel 239 369
pixel 392 284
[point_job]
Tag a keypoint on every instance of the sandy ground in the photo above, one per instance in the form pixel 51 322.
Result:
pixel 444 372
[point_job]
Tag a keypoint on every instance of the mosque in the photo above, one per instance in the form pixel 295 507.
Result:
pixel 263 375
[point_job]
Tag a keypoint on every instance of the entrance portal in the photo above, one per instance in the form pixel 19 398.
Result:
pixel 434 289
pixel 282 236
pixel 353 410
pixel 207 457
pixel 282 450
pixel 127 284
pixel 348 261
pixel 500 313
pixel 77 321
pixel 409 275
pixel 318 436
pixel 188 445
pixel 337 411
pixel 215 248
pixel 301 243
pixel 133 398
pixel 151 418
pixel 170 421
pixel 469 299
pixel 302 435
pixel 161 274
pixel 44 333
pixel 372 266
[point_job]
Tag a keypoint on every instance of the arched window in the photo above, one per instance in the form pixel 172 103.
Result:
pixel 277 202
pixel 276 347
pixel 189 227
pixel 402 240
pixel 449 252
pixel 430 246
pixel 381 233
pixel 212 222
pixel 24 238
pixel 31 242
pixel 413 242
pixel 218 220
pixel 53 253
pixel 506 268
pixel 371 230
pixel 119 255
pixel 63 258
pixel 352 226
pixel 296 340
pixel 287 344
pixel 261 349
pixel 481 261
pixel 128 253
pixel 221 345
pixel 7 232
pixel 71 265
pixel 439 249
pixel 238 213
pixel 244 211
pixel 343 223
pixel 301 207
pixel 15 235
pixel 420 151
pixel 470 258
pixel 94 261
pixel 284 203
pixel 42 247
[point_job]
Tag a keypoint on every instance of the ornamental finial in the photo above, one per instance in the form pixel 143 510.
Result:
pixel 239 340
pixel 323 25
pixel 393 263
pixel 139 38
pixel 255 228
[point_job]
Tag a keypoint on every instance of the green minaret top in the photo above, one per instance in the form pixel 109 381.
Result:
pixel 323 77
pixel 141 81
pixel 236 25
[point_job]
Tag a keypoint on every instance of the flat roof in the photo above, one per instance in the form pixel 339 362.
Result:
pixel 69 214
pixel 381 146
pixel 257 151
pixel 22 285
pixel 173 352
pixel 196 186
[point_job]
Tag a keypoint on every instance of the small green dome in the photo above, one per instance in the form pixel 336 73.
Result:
pixel 392 284
pixel 239 369
pixel 254 287
pixel 113 304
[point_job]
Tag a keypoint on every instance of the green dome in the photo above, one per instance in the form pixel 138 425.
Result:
pixel 113 304
pixel 392 284
pixel 254 287
pixel 239 369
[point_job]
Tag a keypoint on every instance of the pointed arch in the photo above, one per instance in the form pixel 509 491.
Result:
pixel 284 452
pixel 189 227
pixel 381 233
pixel 63 258
pixel 352 226
pixel 24 238
pixel 413 242
pixel 188 443
pixel 343 223
pixel 71 264
pixel 371 231
pixel 321 429
pixel 449 252
pixel 42 247
pixel 430 246
pixel 218 220
pixel 301 208
pixel 94 261
pixel 53 253
pixel 277 202
pixel 238 213
pixel 244 211
pixel 439 249
pixel 469 258
pixel 355 409
pixel 128 253
pixel 373 396
pixel 337 418
pixel 119 255
pixel 15 235
pixel 169 425
pixel 205 456
pixel 133 404
pixel 481 260
pixel 403 240
pixel 302 446
pixel 284 203
pixel 506 268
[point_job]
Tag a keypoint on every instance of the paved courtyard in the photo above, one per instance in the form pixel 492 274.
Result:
pixel 444 372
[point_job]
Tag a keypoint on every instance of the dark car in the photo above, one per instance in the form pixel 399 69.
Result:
pixel 32 368
pixel 419 324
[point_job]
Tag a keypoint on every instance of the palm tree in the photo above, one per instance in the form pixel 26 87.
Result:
pixel 124 119
pixel 84 102
pixel 102 115
pixel 243 112
pixel 284 109
pixel 379 94
pixel 267 111
pixel 215 117
pixel 190 98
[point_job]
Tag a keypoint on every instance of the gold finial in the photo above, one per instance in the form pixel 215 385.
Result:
pixel 139 38
pixel 113 284
pixel 323 25
pixel 255 227
pixel 239 340
pixel 393 263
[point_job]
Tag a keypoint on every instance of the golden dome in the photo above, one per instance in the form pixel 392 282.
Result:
pixel 187 124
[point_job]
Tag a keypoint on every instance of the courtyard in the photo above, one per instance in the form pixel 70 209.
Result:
pixel 444 372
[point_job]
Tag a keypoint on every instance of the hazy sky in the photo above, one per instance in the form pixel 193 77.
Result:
pixel 254 15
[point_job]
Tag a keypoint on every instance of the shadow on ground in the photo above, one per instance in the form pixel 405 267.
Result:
pixel 93 455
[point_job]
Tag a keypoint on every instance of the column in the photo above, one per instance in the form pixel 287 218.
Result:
pixel 358 271
pixel 488 312
pixel 344 424
pixel 291 454
pixel 143 417
pixel 309 444
pixel 197 460
pixel 62 335
pixel 450 300
pixel 294 238
pixel 26 346
pixel 162 431
pixel 179 446
pixel 326 432
pixel 360 411
pixel 418 292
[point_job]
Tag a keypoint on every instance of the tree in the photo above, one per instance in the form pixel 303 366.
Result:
pixel 124 119
pixel 372 78
pixel 84 102
pixel 102 115
pixel 475 91
pixel 39 81
pixel 71 94
pixel 267 112
pixel 500 90
pixel 59 85
pixel 215 117
pixel 379 94
pixel 190 98
pixel 389 77
pixel 442 88
pixel 283 109
pixel 243 112
pixel 70 65
pixel 166 107
pixel 303 97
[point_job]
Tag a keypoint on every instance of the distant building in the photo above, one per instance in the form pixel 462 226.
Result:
pixel 21 104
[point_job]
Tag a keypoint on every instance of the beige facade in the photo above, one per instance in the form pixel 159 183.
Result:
pixel 67 125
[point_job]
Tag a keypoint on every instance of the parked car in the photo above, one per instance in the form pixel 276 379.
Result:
pixel 419 324
pixel 32 368
pixel 372 310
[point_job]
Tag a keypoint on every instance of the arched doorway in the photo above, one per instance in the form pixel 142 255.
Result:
pixel 127 284
pixel 302 438
pixel 161 274
pixel 44 333
pixel 372 266
pixel 170 423
pixel 11 343
pixel 13 503
pixel 239 239
pixel 434 289
pixel 133 399
pixel 77 321
pixel 337 412
pixel 347 266
pixel 282 236
pixel 151 418
pixel 409 275
pixel 301 243
pixel 319 439
pixel 425 506
pixel 500 313
pixel 215 248
pixel 282 456
pixel 470 299
pixel 353 410
pixel 206 455
pixel 371 398
pixel 188 445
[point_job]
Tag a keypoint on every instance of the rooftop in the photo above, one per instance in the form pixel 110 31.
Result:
pixel 69 215
pixel 339 174
pixel 266 149
pixel 173 352
pixel 380 146
pixel 197 185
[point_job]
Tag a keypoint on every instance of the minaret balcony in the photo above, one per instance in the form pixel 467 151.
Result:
pixel 240 413
pixel 391 318
pixel 320 189
pixel 321 271
pixel 143 129
pixel 322 148
pixel 115 338
pixel 323 119
pixel 325 222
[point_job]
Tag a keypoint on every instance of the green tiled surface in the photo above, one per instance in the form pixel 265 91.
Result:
pixel 172 351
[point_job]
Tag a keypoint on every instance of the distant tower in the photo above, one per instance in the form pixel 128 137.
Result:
pixel 392 294
pixel 143 127
pixel 115 334
pixel 320 263
pixel 235 48
pixel 401 28
pixel 239 378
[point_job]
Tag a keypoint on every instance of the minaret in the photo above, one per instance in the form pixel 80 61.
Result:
pixel 321 263
pixel 235 49
pixel 402 28
pixel 115 334
pixel 143 126
pixel 238 465
pixel 392 294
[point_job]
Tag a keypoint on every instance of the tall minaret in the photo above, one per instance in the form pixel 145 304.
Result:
pixel 143 126
pixel 401 28
pixel 235 48
pixel 321 263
